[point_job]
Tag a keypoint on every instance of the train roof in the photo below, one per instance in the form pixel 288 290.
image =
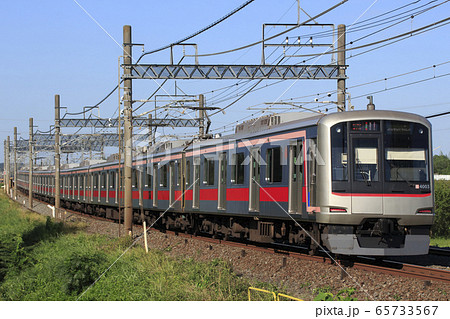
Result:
pixel 331 119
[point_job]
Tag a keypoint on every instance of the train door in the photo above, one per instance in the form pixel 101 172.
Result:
pixel 222 200
pixel 255 182
pixel 366 173
pixel 295 178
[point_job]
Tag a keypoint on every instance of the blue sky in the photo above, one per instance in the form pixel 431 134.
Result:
pixel 54 47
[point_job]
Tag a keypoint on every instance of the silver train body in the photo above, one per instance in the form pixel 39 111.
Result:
pixel 357 183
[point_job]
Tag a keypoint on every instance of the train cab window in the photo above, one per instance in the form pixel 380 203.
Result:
pixel 164 176
pixel 365 159
pixel 406 152
pixel 274 168
pixel 339 168
pixel 237 168
pixel 208 170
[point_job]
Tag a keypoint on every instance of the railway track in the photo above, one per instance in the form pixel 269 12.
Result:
pixel 394 268
pixel 439 251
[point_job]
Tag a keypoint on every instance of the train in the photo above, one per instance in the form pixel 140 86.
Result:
pixel 355 183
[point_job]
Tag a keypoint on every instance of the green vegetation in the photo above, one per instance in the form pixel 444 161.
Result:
pixel 43 260
pixel 324 294
pixel 440 242
pixel 441 226
pixel 441 164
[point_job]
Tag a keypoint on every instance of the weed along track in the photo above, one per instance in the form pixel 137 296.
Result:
pixel 296 273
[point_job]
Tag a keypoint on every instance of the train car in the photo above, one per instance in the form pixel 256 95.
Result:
pixel 357 183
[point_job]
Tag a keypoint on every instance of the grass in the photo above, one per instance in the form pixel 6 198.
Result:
pixel 44 260
pixel 440 242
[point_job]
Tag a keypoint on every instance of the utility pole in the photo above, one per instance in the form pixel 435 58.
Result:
pixel 8 166
pixel 30 172
pixel 341 61
pixel 15 164
pixel 201 115
pixel 128 133
pixel 57 156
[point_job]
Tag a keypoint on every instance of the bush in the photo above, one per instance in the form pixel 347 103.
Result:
pixel 441 226
pixel 441 164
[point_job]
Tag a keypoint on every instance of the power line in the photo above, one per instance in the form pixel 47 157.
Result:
pixel 200 31
pixel 437 115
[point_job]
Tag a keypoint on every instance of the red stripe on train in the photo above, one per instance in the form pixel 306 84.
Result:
pixel 237 194
pixel 208 194
pixel 381 195
pixel 274 194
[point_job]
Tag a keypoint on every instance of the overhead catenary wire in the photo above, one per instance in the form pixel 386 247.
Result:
pixel 200 31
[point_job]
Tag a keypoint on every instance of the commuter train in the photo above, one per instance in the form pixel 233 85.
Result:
pixel 357 183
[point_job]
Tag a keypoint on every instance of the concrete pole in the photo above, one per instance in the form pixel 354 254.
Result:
pixel 8 166
pixel 341 61
pixel 201 115
pixel 15 164
pixel 57 156
pixel 30 171
pixel 128 131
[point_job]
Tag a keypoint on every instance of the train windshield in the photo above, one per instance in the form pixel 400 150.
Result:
pixel 406 152
pixel 380 156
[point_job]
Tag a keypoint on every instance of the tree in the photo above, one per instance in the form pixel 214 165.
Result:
pixel 441 227
pixel 441 164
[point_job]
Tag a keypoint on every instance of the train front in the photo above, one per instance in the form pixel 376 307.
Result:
pixel 375 185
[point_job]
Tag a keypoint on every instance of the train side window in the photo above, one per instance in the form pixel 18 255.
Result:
pixel 142 177
pixel 164 176
pixel 95 181
pixel 112 180
pixel 133 177
pixel 178 173
pixel 237 168
pixel 208 169
pixel 196 184
pixel 103 180
pixel 155 185
pixel 148 176
pixel 274 168
pixel 188 173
